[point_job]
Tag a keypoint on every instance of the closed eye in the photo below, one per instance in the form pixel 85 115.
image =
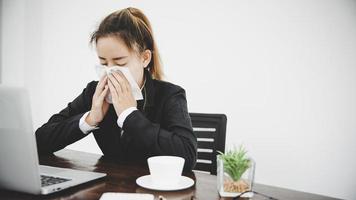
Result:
pixel 121 65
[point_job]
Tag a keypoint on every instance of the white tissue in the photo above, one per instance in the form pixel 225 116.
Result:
pixel 126 196
pixel 103 70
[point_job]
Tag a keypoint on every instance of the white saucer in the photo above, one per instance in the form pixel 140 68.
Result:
pixel 146 182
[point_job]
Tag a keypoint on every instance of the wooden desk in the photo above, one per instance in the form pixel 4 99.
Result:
pixel 122 178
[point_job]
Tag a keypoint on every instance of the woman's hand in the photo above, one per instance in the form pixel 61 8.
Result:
pixel 120 89
pixel 99 106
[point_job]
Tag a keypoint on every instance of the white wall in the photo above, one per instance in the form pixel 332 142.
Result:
pixel 284 72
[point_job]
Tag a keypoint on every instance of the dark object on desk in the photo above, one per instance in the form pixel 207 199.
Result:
pixel 210 130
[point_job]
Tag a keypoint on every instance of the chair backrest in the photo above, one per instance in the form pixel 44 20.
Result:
pixel 210 130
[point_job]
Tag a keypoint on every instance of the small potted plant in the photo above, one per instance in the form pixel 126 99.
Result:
pixel 235 173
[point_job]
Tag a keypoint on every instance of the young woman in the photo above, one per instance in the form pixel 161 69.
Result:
pixel 127 130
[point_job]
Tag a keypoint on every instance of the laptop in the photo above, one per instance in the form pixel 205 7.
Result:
pixel 19 167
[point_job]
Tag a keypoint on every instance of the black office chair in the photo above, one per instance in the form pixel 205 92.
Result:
pixel 210 130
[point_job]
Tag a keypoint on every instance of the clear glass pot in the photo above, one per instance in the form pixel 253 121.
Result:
pixel 232 180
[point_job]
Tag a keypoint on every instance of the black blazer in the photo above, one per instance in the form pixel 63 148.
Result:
pixel 160 126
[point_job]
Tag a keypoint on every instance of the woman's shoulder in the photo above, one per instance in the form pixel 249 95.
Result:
pixel 167 88
pixel 168 95
pixel 90 88
pixel 92 84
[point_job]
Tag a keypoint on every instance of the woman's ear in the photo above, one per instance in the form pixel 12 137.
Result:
pixel 146 57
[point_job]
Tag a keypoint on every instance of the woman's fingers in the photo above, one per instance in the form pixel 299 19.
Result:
pixel 112 88
pixel 121 93
pixel 101 85
pixel 124 83
pixel 103 93
pixel 115 84
pixel 99 106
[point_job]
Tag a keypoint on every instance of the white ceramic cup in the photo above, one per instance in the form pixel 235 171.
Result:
pixel 165 170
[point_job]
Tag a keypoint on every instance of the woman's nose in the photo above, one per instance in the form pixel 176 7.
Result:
pixel 111 64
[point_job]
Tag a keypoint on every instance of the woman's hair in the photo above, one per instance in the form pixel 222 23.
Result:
pixel 133 27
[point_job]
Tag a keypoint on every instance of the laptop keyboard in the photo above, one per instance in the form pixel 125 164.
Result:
pixel 50 180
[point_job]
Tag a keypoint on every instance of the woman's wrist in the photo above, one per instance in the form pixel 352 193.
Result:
pixel 121 118
pixel 90 121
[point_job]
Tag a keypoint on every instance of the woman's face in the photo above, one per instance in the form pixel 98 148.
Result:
pixel 113 51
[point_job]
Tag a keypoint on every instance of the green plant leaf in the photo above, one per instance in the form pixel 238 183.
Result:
pixel 235 162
